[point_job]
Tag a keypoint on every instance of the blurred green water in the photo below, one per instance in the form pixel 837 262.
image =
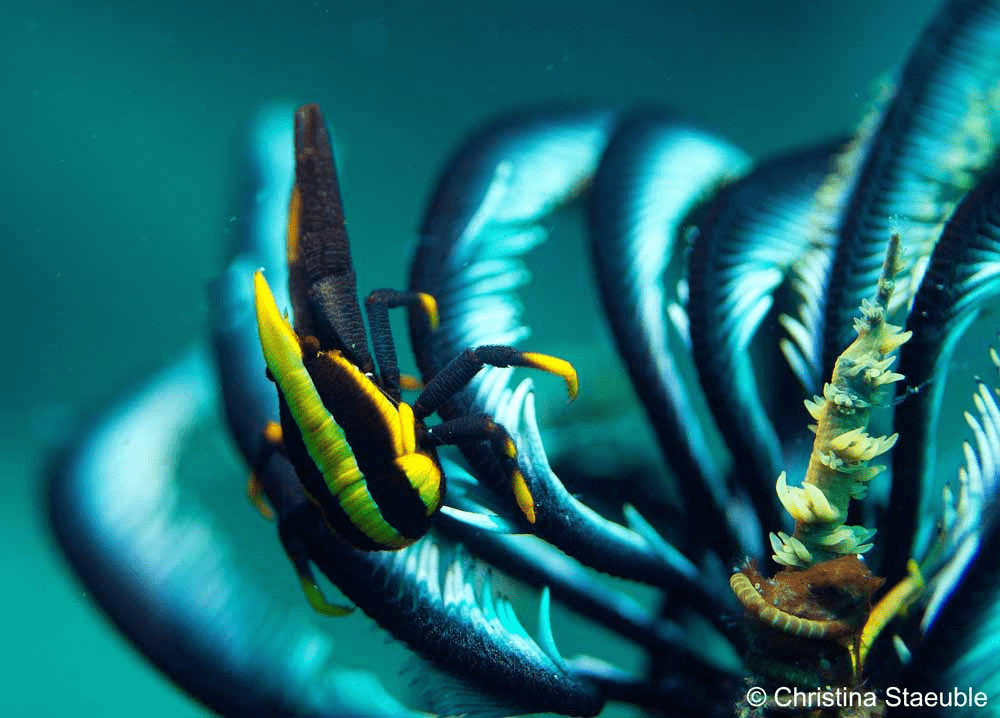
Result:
pixel 122 154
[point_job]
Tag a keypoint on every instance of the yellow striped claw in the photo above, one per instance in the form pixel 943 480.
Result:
pixel 557 366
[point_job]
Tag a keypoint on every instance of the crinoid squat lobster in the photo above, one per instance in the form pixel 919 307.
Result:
pixel 364 456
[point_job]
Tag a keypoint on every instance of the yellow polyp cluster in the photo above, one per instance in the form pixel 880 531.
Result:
pixel 839 467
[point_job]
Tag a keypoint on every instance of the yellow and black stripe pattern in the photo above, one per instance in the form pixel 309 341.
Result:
pixel 363 468
pixel 364 456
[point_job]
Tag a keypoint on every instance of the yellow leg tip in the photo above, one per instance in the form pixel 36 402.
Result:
pixel 429 305
pixel 510 449
pixel 255 492
pixel 572 385
pixel 318 601
pixel 557 366
pixel 525 501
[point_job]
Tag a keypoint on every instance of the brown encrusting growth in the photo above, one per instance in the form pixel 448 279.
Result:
pixel 807 622
pixel 828 600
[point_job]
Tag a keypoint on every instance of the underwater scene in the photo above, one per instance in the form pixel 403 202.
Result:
pixel 491 359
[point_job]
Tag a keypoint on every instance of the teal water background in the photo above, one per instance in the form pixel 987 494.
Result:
pixel 120 196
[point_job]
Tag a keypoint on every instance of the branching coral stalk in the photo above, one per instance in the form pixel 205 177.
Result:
pixel 839 467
